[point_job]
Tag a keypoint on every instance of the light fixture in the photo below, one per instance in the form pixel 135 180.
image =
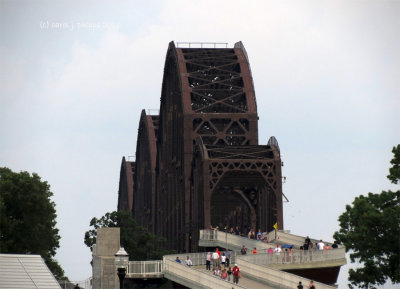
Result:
pixel 121 262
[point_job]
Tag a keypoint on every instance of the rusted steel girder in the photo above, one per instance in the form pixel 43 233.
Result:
pixel 236 186
pixel 143 207
pixel 126 185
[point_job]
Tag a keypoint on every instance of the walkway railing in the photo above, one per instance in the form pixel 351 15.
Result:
pixel 211 238
pixel 287 238
pixel 198 259
pixel 296 257
pixel 223 239
pixel 202 45
pixel 145 269
pixel 274 278
pixel 83 284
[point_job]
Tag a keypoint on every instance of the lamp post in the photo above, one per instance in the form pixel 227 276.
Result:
pixel 121 262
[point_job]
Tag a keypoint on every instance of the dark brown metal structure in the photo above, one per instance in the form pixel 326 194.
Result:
pixel 146 152
pixel 126 185
pixel 202 164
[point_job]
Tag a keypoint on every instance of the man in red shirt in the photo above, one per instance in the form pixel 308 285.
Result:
pixel 236 273
pixel 219 256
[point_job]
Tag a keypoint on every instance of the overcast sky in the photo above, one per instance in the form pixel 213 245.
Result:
pixel 74 76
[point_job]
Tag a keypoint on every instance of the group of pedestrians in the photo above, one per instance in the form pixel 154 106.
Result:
pixel 288 254
pixel 277 250
pixel 232 230
pixel 236 231
pixel 308 245
pixel 257 237
pixel 187 261
pixel 220 262
pixel 310 285
pixel 226 274
pixel 217 259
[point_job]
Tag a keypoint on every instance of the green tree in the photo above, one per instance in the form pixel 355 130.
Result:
pixel 370 230
pixel 137 241
pixel 394 171
pixel 28 217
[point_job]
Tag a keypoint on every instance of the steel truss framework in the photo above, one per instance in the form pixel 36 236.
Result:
pixel 199 163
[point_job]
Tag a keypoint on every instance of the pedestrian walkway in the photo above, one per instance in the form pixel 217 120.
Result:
pixel 244 281
pixel 260 270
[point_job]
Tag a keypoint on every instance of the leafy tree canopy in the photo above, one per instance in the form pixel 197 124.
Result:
pixel 394 171
pixel 370 230
pixel 137 241
pixel 28 217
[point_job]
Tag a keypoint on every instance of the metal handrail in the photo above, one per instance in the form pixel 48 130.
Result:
pixel 235 242
pixel 295 257
pixel 145 267
pixel 262 258
pixel 283 237
pixel 276 278
pixel 150 111
pixel 83 284
pixel 197 259
pixel 202 44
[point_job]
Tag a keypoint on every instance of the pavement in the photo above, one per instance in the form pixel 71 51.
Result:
pixel 245 282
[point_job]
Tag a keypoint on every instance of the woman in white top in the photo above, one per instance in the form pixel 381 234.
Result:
pixel 223 259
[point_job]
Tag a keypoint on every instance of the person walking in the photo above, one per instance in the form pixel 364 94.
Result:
pixel 217 272
pixel 259 235
pixel 219 257
pixel 228 257
pixel 223 259
pixel 236 272
pixel 300 286
pixel 311 285
pixel 229 274
pixel 215 259
pixel 208 261
pixel 224 274
pixel 188 262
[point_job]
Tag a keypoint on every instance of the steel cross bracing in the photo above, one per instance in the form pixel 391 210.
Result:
pixel 198 163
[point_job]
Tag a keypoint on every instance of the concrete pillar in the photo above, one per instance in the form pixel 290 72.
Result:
pixel 104 271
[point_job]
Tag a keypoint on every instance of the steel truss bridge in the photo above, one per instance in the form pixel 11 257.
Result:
pixel 198 161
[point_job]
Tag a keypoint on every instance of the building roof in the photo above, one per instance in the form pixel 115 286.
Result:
pixel 25 271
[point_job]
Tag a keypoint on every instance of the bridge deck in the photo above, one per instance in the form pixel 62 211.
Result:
pixel 258 271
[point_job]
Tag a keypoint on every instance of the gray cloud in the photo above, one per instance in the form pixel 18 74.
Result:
pixel 325 75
